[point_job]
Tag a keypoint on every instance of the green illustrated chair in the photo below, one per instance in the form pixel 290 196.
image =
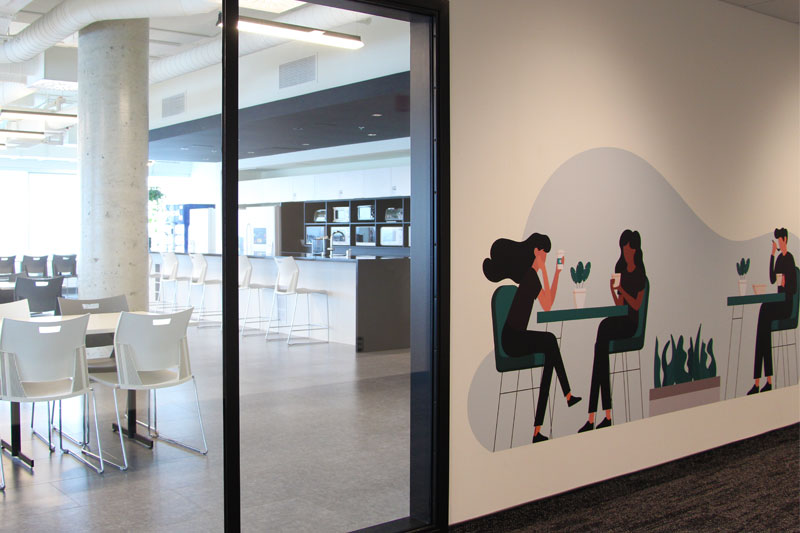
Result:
pixel 781 329
pixel 621 347
pixel 501 303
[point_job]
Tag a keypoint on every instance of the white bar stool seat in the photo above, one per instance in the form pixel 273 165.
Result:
pixel 286 285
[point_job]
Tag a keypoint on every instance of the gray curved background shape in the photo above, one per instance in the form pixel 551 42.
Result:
pixel 584 207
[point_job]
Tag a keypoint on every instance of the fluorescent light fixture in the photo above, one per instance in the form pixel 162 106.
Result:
pixel 296 33
pixel 18 114
pixel 22 134
pixel 55 85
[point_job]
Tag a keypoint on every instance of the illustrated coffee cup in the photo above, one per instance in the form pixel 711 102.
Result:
pixel 616 277
pixel 779 279
pixel 560 259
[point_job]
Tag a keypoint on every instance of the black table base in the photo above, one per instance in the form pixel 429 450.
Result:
pixel 130 432
pixel 16 441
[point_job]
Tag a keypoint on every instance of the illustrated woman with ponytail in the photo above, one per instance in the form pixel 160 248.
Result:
pixel 523 262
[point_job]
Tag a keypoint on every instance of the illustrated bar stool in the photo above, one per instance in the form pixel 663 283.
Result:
pixel 246 283
pixel 780 346
pixel 286 285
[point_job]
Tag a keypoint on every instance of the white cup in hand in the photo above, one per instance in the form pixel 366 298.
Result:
pixel 616 277
pixel 779 279
pixel 560 260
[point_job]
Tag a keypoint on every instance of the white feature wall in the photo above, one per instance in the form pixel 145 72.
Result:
pixel 705 92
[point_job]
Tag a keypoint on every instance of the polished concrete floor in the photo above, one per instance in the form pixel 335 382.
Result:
pixel 324 444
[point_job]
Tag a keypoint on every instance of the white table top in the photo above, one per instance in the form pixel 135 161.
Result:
pixel 98 322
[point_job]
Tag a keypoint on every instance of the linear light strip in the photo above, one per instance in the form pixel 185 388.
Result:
pixel 297 33
pixel 16 114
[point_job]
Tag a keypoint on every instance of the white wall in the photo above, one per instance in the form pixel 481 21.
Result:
pixel 704 91
pixel 368 183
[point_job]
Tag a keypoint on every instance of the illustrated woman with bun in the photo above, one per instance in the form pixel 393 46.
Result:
pixel 784 265
pixel 523 262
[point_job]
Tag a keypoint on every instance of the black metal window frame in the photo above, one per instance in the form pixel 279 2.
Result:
pixel 430 185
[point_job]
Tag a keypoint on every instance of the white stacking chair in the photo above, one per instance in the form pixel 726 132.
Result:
pixel 246 283
pixel 155 275
pixel 286 285
pixel 46 362
pixel 152 353
pixel 170 274
pixel 200 278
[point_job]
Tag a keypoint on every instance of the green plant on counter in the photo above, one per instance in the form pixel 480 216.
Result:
pixel 696 363
pixel 742 267
pixel 580 273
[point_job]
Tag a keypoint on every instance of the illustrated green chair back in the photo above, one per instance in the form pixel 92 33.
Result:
pixel 635 343
pixel 791 322
pixel 501 303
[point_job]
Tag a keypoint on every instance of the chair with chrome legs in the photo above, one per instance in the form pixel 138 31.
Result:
pixel 286 285
pixel 246 283
pixel 152 353
pixel 201 278
pixel 8 264
pixel 46 362
pixel 171 273
pixel 34 266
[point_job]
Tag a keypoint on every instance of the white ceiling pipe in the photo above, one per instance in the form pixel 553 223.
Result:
pixel 73 15
pixel 206 55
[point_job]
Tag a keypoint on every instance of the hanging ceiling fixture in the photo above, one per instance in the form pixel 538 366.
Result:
pixel 296 33
pixel 18 114
pixel 21 134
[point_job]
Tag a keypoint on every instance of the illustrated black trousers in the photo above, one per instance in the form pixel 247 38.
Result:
pixel 520 343
pixel 768 313
pixel 611 328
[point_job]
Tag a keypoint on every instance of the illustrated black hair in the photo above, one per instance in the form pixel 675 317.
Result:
pixel 512 259
pixel 634 240
pixel 781 233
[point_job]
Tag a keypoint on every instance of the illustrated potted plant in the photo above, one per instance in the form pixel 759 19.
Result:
pixel 580 274
pixel 741 268
pixel 687 378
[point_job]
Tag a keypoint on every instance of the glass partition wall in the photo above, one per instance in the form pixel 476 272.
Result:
pixel 325 191
pixel 333 230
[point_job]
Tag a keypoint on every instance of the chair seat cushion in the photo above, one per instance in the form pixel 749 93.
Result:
pixel 505 363
pixel 47 389
pixel 632 344
pixel 786 323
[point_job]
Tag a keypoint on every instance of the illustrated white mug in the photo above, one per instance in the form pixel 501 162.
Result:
pixel 560 260
pixel 616 277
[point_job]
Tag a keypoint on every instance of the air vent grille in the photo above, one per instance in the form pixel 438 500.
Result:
pixel 173 105
pixel 296 72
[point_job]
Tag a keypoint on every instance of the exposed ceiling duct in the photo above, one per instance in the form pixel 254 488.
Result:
pixel 73 15
pixel 206 55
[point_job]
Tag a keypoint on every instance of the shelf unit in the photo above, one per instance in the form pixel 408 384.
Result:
pixel 348 219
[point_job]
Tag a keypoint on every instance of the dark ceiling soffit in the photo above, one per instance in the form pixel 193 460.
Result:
pixel 386 85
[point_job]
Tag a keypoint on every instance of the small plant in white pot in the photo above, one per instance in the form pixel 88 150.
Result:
pixel 579 275
pixel 741 268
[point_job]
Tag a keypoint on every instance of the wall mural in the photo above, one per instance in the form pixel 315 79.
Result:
pixel 659 319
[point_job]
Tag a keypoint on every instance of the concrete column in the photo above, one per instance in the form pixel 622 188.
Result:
pixel 113 151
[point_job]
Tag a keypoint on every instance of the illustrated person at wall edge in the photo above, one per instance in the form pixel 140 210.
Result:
pixel 626 289
pixel 781 271
pixel 523 262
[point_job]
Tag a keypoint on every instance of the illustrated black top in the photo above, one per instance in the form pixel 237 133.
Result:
pixel 633 283
pixel 784 264
pixel 520 311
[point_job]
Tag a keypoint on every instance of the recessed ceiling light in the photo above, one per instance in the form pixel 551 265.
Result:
pixel 185 148
pixel 306 144
pixel 297 33
pixel 250 152
pixel 371 134
pixel 377 114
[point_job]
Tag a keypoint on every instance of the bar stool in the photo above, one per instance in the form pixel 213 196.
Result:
pixel 200 278
pixel 169 274
pixel 246 283
pixel 286 285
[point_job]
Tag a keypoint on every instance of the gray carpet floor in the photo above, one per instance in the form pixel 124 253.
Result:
pixel 751 485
